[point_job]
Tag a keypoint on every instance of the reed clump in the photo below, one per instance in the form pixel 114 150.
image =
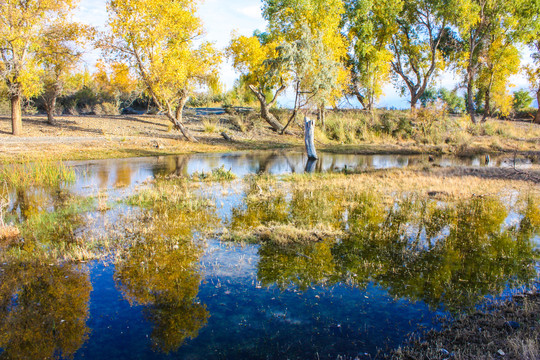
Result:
pixel 40 173
pixel 217 174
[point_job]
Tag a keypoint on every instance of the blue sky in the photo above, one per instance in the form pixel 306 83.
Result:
pixel 222 17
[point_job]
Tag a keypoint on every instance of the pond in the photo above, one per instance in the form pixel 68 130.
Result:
pixel 182 285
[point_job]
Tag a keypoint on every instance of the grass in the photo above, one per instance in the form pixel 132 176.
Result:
pixel 427 130
pixel 36 174
pixel 217 174
pixel 54 235
pixel 210 126
pixel 303 208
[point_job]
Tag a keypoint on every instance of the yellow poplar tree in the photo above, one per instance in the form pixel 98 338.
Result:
pixel 22 25
pixel 501 60
pixel 156 37
pixel 252 57
pixel 115 81
pixel 61 50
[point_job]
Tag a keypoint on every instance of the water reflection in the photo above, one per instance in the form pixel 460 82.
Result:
pixel 126 172
pixel 43 310
pixel 159 269
pixel 419 249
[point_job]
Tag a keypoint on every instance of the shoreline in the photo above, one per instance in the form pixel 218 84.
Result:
pixel 93 138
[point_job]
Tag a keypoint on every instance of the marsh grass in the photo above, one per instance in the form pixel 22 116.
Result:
pixel 36 174
pixel 429 126
pixel 217 174
pixel 51 235
pixel 303 208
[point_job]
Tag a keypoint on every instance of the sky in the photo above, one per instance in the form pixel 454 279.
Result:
pixel 222 17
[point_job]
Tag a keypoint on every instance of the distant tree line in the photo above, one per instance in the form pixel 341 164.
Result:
pixel 323 50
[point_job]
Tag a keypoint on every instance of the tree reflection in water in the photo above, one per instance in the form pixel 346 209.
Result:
pixel 43 310
pixel 160 270
pixel 451 254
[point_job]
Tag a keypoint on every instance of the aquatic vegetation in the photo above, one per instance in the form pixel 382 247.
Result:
pixel 36 174
pixel 47 226
pixel 451 253
pixel 218 174
pixel 173 194
pixel 43 310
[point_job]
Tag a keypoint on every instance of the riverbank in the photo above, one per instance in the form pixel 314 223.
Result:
pixel 94 137
pixel 503 329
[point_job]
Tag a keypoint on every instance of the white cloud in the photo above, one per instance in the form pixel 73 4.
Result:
pixel 252 11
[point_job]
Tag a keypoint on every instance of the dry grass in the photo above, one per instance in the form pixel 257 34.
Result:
pixel 282 235
pixel 395 181
pixel 8 235
pixel 500 330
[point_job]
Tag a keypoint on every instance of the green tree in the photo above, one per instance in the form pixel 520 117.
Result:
pixel 454 102
pixel 369 26
pixel 312 49
pixel 417 44
pixel 488 31
pixel 522 100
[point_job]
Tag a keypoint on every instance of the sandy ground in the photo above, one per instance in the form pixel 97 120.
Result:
pixel 82 137
pixel 94 137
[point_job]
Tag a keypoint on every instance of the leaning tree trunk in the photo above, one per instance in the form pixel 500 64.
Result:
pixel 180 109
pixel 309 138
pixel 176 119
pixel 179 126
pixel 16 119
pixel 265 111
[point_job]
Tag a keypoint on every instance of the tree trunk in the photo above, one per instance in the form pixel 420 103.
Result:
pixel 177 119
pixel 321 115
pixel 265 111
pixel 487 107
pixel 50 106
pixel 537 117
pixel 180 109
pixel 16 120
pixel 414 100
pixel 309 138
pixel 470 100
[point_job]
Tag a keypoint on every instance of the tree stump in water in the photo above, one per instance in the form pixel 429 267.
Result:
pixel 309 137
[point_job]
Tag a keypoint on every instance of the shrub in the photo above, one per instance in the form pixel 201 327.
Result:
pixel 209 126
pixel 522 100
pixel 106 108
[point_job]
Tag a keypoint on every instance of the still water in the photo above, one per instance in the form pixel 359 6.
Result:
pixel 393 274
